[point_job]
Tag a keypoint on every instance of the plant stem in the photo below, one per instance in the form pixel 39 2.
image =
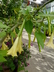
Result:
pixel 49 26
pixel 7 33
pixel 29 40
pixel 21 29
pixel 42 6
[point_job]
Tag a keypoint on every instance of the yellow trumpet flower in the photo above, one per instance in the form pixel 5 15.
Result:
pixel 4 46
pixel 16 47
pixel 50 43
pixel 19 49
pixel 13 49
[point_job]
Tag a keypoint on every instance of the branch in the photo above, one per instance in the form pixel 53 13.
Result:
pixel 42 6
pixel 7 33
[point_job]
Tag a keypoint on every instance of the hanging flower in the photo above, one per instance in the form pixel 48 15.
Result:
pixel 50 43
pixel 17 47
pixel 13 49
pixel 4 46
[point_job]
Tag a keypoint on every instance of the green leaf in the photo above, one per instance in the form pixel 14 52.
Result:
pixel 2 59
pixel 3 52
pixel 42 35
pixel 17 30
pixel 13 34
pixel 12 66
pixel 29 26
pixel 21 68
pixel 39 39
pixel 24 12
pixel 2 34
pixel 29 8
pixel 3 25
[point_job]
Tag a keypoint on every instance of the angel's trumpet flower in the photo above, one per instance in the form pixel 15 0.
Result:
pixel 19 49
pixel 16 47
pixel 50 43
pixel 4 46
pixel 13 49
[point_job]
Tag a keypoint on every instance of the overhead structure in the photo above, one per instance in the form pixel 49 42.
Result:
pixel 34 3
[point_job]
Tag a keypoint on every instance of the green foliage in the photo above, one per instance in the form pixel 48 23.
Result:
pixel 3 25
pixel 2 54
pixel 29 26
pixel 2 34
pixel 24 12
pixel 1 68
pixel 13 34
pixel 29 8
pixel 39 39
pixel 17 30
pixel 42 35
pixel 2 59
pixel 21 68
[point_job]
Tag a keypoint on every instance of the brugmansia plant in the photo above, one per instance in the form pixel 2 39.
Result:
pixel 14 17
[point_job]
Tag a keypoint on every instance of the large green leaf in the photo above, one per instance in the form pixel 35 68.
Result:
pixel 2 54
pixel 29 26
pixel 39 39
pixel 3 25
pixel 24 12
pixel 29 8
pixel 42 35
pixel 2 34
pixel 2 59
